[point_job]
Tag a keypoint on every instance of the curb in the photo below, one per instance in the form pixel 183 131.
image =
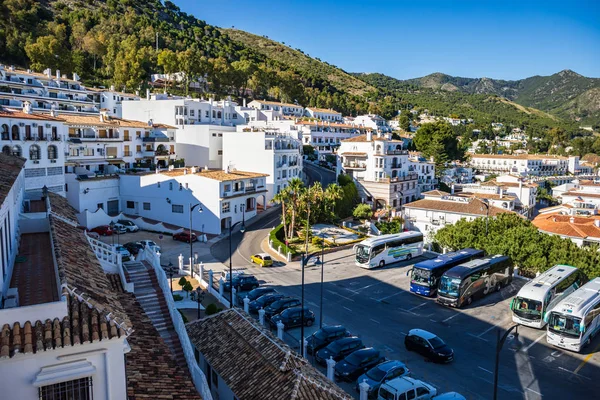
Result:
pixel 264 245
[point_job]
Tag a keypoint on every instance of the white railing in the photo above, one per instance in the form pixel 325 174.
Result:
pixel 110 260
pixel 210 289
pixel 197 375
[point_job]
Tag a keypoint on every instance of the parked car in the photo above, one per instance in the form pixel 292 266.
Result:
pixel 280 305
pixel 324 336
pixel 292 317
pixel 449 396
pixel 133 247
pixel 150 244
pixel 102 230
pixel 428 345
pixel 262 259
pixel 264 301
pixel 339 349
pixel 118 229
pixel 121 249
pixel 255 293
pixel 128 225
pixel 235 272
pixel 379 374
pixel 406 388
pixel 93 235
pixel 242 282
pixel 184 236
pixel 357 363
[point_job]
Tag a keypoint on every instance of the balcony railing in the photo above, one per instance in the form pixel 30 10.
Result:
pixel 354 165
pixel 155 139
pixel 127 154
pixel 396 152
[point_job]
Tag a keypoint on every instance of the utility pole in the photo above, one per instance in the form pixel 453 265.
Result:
pixel 157 42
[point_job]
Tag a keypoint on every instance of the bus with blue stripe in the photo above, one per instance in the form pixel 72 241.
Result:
pixel 426 274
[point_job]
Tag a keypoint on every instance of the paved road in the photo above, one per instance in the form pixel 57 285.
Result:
pixel 322 175
pixel 376 305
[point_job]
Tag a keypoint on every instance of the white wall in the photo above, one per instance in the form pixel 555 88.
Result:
pixel 423 220
pixel 200 144
pixel 9 231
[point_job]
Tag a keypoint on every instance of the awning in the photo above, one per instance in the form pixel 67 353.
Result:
pixel 115 161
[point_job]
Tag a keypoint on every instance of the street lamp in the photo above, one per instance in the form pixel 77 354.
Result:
pixel 487 214
pixel 112 228
pixel 303 261
pixel 322 262
pixel 499 343
pixel 171 273
pixel 200 209
pixel 242 229
pixel 199 298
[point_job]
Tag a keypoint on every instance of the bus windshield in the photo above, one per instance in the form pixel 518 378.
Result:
pixel 564 324
pixel 362 254
pixel 421 276
pixel 527 308
pixel 450 286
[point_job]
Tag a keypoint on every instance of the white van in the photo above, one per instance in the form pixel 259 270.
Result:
pixel 405 388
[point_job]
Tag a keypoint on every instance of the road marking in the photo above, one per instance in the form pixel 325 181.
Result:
pixel 374 320
pixel 586 359
pixel 347 308
pixel 420 305
pixel 531 390
pixel 525 349
pixel 391 295
pixel 432 320
pixel 487 330
pixel 408 311
pixel 449 318
pixel 573 373
pixel 388 348
pixel 368 286
pixel 477 337
pixel 486 370
pixel 403 333
pixel 336 293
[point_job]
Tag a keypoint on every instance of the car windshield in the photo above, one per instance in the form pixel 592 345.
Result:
pixel 376 374
pixel 354 359
pixel 564 324
pixel 267 258
pixel 450 286
pixel 527 308
pixel 386 395
pixel 334 347
pixel 421 276
pixel 321 334
pixel 436 342
pixel 362 254
pixel 151 243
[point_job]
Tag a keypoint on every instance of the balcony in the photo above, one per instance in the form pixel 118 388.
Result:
pixel 127 153
pixel 354 165
pixel 127 138
pixel 155 139
pixel 396 152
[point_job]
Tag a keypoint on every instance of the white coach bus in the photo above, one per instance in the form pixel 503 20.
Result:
pixel 576 319
pixel 385 249
pixel 538 296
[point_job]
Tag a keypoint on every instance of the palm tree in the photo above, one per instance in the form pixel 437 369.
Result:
pixel 333 193
pixel 281 198
pixel 295 187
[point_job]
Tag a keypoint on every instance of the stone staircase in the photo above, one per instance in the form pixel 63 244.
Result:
pixel 149 294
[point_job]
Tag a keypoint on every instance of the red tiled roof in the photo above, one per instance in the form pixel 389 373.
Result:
pixel 9 172
pixel 470 207
pixel 438 193
pixel 6 113
pixel 558 224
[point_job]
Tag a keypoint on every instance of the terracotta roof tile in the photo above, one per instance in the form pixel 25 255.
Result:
pixel 7 113
pixel 438 193
pixel 94 120
pixel 275 103
pixel 323 110
pixel 254 363
pixel 558 224
pixel 216 174
pixel 467 207
pixel 9 172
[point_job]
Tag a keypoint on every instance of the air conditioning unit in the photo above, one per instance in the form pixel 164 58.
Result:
pixel 34 125
pixel 47 125
pixel 53 161
pixel 36 161
pixel 21 124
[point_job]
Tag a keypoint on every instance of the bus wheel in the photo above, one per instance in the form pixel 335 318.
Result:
pixel 469 300
pixel 381 264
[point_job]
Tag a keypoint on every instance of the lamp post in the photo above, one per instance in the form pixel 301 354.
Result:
pixel 499 343
pixel 170 272
pixel 199 298
pixel 242 229
pixel 322 268
pixel 487 214
pixel 112 228
pixel 200 209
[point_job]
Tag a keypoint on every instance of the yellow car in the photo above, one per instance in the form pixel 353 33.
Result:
pixel 262 259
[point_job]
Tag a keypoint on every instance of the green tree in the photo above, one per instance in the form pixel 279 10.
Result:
pixel 404 122
pixel 363 211
pixel 50 50
pixel 168 60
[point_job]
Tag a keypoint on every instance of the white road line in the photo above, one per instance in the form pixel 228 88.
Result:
pixel 432 320
pixel 347 308
pixel 403 333
pixel 374 320
pixel 337 294
pixel 486 331
pixel 391 295
pixel 449 318
pixel 477 337
pixel 486 370
pixel 525 349
pixel 408 311
pixel 420 305
pixel 538 393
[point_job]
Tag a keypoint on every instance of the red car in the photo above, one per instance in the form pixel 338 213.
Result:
pixel 102 230
pixel 184 237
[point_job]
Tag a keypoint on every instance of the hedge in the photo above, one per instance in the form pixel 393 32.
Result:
pixel 276 237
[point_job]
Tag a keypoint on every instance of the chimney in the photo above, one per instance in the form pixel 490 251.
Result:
pixel 137 92
pixel 75 77
pixel 193 170
pixel 58 74
pixel 53 111
pixel 369 136
pixel 112 88
pixel 104 115
pixel 597 223
pixel 27 107
pixel 185 171
pixel 48 72
pixel 206 167
pixel 147 94
pixel 572 220
pixel 244 102
pixel 452 189
pixel 150 122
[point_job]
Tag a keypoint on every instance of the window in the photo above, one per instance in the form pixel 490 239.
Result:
pixel 146 206
pixel 225 207
pixel 421 391
pixel 130 204
pixel 78 389
pixel 177 208
pixel 52 152
pixel 220 152
pixel 192 112
pixel 34 152
pixel 170 185
pixel 100 206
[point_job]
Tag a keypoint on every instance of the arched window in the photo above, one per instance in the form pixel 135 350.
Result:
pixel 5 132
pixel 15 132
pixel 34 152
pixel 6 150
pixel 52 152
pixel 218 114
pixel 394 174
pixel 16 150
pixel 40 132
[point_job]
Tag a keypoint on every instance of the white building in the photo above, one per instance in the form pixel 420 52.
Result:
pixel 372 121
pixel 577 221
pixel 326 137
pixel 439 208
pixel 277 155
pixel 525 164
pixel 112 100
pixel 323 114
pixel 226 197
pixel 202 145
pixel 380 168
pixel 287 109
pixel 425 169
pixel 40 139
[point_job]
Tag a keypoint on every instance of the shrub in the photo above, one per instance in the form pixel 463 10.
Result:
pixel 363 211
pixel 182 281
pixel 211 309
pixel 276 237
pixel 317 241
pixel 177 297
pixel 188 287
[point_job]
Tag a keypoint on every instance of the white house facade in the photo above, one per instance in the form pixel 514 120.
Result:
pixel 323 114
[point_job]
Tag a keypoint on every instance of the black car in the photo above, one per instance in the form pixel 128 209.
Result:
pixel 292 317
pixel 242 282
pixel 339 349
pixel 133 247
pixel 264 302
pixel 428 345
pixel 280 305
pixel 324 336
pixel 357 363
pixel 255 294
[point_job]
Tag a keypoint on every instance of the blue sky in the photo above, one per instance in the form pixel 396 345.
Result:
pixel 407 39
